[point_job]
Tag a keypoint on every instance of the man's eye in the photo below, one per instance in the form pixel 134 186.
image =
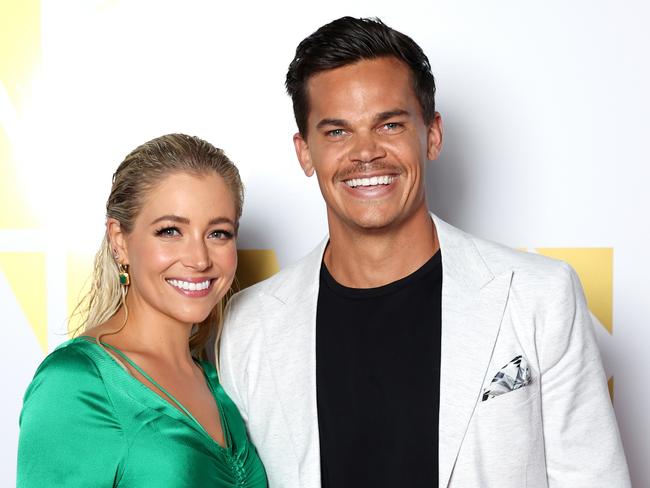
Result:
pixel 335 132
pixel 168 232
pixel 392 125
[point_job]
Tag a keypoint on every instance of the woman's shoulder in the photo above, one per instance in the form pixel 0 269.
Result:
pixel 68 387
pixel 66 409
pixel 71 366
pixel 75 356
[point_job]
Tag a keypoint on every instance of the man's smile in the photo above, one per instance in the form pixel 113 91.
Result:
pixel 369 182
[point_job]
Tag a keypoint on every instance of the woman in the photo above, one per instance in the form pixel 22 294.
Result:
pixel 127 404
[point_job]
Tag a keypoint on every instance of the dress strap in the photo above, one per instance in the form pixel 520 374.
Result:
pixel 150 379
pixel 109 350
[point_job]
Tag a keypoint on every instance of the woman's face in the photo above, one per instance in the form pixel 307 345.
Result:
pixel 181 251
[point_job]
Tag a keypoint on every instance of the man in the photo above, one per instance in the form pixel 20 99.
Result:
pixel 402 351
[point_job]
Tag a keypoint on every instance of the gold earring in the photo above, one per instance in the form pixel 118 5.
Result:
pixel 125 280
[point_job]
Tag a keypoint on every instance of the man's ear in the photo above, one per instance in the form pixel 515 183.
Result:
pixel 434 138
pixel 117 240
pixel 303 154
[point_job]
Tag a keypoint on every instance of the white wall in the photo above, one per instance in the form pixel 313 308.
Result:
pixel 545 110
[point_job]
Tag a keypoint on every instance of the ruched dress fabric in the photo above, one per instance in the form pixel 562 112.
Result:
pixel 87 422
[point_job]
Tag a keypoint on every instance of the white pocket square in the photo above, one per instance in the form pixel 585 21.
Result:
pixel 512 376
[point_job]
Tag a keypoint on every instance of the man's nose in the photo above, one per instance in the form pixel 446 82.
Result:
pixel 366 147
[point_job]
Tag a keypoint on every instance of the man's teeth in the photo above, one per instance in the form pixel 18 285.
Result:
pixel 189 285
pixel 373 181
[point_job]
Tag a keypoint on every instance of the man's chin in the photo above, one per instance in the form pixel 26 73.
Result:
pixel 374 223
pixel 375 220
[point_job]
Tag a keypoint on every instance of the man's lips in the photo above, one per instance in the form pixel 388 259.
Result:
pixel 370 181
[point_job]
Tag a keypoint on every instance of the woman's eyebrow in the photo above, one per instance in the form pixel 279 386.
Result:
pixel 173 218
pixel 185 220
pixel 221 220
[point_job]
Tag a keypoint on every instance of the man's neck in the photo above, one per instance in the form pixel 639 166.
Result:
pixel 367 259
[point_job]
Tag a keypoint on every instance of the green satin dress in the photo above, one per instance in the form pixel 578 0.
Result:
pixel 86 422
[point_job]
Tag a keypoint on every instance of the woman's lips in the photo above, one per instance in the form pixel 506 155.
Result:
pixel 191 288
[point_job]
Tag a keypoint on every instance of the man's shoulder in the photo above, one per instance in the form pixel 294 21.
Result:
pixel 530 269
pixel 275 291
pixel 500 258
pixel 497 257
pixel 539 282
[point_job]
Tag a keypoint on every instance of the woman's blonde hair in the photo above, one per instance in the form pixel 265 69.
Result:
pixel 136 176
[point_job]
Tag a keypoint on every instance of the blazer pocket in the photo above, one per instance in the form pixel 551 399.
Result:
pixel 512 403
pixel 503 432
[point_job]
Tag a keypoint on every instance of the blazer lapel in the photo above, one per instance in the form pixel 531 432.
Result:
pixel 473 303
pixel 291 348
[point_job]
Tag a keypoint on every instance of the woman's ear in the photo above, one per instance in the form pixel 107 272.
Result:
pixel 117 240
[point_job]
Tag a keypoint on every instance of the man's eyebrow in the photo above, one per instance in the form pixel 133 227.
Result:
pixel 398 112
pixel 185 220
pixel 335 122
pixel 380 117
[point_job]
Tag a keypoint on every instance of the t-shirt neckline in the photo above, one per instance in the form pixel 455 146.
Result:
pixel 433 264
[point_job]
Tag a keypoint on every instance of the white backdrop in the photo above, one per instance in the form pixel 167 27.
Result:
pixel 545 111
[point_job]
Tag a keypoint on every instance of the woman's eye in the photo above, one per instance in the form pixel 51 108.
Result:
pixel 168 232
pixel 221 234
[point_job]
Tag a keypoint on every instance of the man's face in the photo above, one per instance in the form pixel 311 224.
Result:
pixel 367 143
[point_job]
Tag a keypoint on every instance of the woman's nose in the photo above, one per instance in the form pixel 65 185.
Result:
pixel 197 255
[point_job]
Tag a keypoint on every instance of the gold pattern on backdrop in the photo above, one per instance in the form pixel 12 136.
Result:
pixel 255 265
pixel 20 54
pixel 595 267
pixel 25 272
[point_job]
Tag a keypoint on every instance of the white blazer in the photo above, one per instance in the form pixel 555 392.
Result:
pixel 497 303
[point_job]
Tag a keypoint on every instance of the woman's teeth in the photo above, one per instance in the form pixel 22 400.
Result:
pixel 190 285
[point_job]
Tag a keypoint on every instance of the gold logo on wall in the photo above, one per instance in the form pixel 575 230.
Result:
pixel 595 268
pixel 254 265
pixel 20 54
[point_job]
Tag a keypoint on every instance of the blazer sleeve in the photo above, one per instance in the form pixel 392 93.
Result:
pixel 231 359
pixel 581 438
pixel 69 434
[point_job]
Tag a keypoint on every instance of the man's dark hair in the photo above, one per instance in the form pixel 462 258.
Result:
pixel 346 41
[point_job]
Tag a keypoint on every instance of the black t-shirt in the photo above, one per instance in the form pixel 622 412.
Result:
pixel 378 380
